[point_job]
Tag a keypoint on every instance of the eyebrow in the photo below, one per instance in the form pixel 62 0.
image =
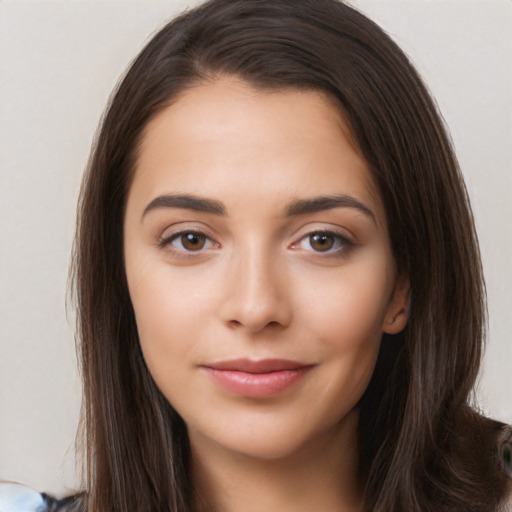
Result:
pixel 298 207
pixel 319 204
pixel 187 202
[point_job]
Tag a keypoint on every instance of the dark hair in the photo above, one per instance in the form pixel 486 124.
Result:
pixel 423 448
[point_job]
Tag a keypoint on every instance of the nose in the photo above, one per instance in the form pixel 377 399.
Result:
pixel 257 295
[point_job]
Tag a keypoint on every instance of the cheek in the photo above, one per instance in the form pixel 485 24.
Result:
pixel 348 306
pixel 167 307
pixel 344 314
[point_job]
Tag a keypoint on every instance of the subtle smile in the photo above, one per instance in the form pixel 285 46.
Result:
pixel 257 379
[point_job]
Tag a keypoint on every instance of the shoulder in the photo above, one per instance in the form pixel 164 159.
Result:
pixel 505 450
pixel 506 506
pixel 20 498
pixel 505 461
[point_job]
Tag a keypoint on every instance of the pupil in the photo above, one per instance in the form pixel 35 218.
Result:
pixel 193 242
pixel 321 242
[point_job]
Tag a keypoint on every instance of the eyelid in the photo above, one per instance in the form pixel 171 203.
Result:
pixel 324 227
pixel 179 236
pixel 166 239
pixel 345 241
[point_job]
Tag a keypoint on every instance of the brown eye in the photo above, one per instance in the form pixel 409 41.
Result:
pixel 187 242
pixel 192 241
pixel 321 242
pixel 328 243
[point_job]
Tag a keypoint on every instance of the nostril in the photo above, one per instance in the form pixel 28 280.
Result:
pixel 235 324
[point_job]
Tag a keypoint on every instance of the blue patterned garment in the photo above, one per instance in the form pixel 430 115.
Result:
pixel 20 498
pixel 505 454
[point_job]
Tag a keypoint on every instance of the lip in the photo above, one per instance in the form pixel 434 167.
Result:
pixel 257 378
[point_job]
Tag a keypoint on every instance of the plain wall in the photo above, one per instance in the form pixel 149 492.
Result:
pixel 58 63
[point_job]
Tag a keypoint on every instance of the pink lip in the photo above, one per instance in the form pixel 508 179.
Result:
pixel 257 379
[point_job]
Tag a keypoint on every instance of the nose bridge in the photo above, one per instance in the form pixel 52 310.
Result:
pixel 256 296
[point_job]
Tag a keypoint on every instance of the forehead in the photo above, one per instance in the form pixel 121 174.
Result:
pixel 228 138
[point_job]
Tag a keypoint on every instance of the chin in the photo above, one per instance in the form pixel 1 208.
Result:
pixel 269 447
pixel 276 441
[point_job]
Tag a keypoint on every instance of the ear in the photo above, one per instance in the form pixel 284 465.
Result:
pixel 397 313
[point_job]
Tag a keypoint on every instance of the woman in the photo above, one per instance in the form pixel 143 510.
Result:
pixel 278 283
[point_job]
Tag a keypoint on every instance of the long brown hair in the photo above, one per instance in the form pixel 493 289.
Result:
pixel 422 447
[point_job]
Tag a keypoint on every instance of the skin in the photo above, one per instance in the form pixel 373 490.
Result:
pixel 255 284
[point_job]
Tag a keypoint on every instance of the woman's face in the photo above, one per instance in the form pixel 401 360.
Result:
pixel 259 267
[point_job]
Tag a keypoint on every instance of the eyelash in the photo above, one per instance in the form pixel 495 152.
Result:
pixel 168 241
pixel 342 244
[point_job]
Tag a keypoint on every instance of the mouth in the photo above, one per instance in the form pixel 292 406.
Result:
pixel 257 378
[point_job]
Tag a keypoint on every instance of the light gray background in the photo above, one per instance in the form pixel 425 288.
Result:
pixel 58 63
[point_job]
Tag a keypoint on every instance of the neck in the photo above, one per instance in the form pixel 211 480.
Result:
pixel 323 475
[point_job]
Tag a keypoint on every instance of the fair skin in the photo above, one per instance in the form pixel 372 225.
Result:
pixel 260 271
